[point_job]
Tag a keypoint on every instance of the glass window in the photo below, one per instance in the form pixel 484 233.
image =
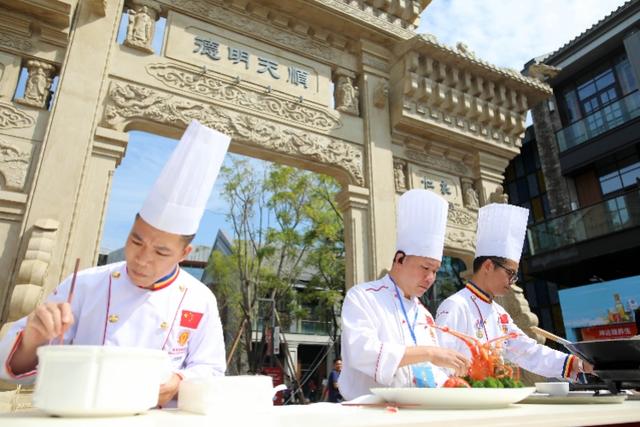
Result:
pixel 531 294
pixel 586 90
pixel 610 185
pixel 532 180
pixel 572 106
pixel 625 75
pixel 513 193
pixel 519 166
pixel 630 176
pixel 545 205
pixel 537 210
pixel 605 79
pixel 541 183
pixel 552 288
pixel 509 174
pixel 523 189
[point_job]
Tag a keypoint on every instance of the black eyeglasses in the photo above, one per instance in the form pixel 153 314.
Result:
pixel 513 274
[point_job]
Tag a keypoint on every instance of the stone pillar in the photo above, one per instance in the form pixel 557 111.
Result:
pixel 491 172
pixel 632 47
pixel 61 186
pixel 545 123
pixel 354 205
pixel 378 159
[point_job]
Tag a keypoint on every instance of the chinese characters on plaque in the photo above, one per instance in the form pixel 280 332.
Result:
pixel 265 66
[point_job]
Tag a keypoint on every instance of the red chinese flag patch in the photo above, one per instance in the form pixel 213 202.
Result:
pixel 504 318
pixel 190 319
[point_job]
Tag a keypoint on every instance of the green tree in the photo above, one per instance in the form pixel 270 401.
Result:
pixel 284 221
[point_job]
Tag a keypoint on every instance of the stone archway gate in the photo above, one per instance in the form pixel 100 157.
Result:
pixel 342 87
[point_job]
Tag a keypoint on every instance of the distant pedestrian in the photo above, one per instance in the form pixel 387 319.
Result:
pixel 332 383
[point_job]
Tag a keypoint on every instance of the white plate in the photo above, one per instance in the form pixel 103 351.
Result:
pixel 454 398
pixel 575 397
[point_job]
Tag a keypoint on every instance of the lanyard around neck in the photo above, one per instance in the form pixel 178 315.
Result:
pixel 404 311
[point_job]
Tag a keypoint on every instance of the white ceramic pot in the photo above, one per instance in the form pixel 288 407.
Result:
pixel 553 388
pixel 76 380
pixel 223 394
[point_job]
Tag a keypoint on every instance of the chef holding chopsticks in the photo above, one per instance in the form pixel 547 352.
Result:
pixel 147 300
pixel 472 310
pixel 388 338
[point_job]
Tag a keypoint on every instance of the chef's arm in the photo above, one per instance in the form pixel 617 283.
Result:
pixel 443 357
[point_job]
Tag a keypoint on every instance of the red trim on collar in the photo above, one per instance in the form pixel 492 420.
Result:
pixel 163 283
pixel 482 295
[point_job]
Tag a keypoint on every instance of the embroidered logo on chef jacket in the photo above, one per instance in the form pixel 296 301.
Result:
pixel 504 322
pixel 190 319
pixel 183 338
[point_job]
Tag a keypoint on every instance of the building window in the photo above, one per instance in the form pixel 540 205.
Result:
pixel 619 172
pixel 612 80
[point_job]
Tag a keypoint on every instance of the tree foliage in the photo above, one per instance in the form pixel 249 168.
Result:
pixel 285 226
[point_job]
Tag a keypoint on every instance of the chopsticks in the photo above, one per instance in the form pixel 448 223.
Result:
pixel 71 290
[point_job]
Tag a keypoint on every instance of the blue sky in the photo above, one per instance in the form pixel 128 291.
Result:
pixel 506 33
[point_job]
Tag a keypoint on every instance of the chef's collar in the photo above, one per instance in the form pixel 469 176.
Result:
pixel 163 282
pixel 479 293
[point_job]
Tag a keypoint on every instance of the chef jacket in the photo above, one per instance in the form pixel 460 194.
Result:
pixel 178 315
pixel 375 335
pixel 473 312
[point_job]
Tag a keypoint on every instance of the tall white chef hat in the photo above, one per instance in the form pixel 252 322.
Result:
pixel 501 229
pixel 178 198
pixel 422 222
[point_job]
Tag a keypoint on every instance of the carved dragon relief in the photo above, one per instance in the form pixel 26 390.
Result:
pixel 266 31
pixel 14 164
pixel 127 103
pixel 210 87
pixel 460 217
pixel 12 118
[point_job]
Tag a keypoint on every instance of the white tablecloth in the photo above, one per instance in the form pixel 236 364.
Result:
pixel 332 415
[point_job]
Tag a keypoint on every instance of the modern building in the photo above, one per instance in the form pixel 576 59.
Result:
pixel 579 167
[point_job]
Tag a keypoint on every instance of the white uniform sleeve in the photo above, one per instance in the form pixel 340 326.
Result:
pixel 11 340
pixel 537 358
pixel 362 350
pixel 453 315
pixel 206 354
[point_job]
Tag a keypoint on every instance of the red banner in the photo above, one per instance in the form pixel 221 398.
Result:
pixel 607 332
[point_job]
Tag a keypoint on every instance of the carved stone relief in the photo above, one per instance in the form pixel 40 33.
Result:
pixel 380 94
pixel 227 18
pixel 129 103
pixel 37 92
pixel 14 42
pixel 12 118
pixel 14 164
pixel 141 26
pixel 470 196
pixel 438 162
pixel 460 217
pixel 346 94
pixel 498 196
pixel 211 87
pixel 400 176
pixel 464 240
pixel 33 269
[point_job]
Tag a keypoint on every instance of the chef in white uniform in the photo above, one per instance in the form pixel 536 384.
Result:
pixel 388 339
pixel 148 300
pixel 472 310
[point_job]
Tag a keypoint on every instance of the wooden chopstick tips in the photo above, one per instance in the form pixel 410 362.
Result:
pixel 71 290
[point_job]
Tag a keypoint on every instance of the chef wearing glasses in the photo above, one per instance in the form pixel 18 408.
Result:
pixel 473 311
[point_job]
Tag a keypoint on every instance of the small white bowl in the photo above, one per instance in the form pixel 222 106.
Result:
pixel 553 388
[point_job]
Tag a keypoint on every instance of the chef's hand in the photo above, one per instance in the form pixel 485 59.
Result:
pixel 169 390
pixel 584 366
pixel 447 358
pixel 48 321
